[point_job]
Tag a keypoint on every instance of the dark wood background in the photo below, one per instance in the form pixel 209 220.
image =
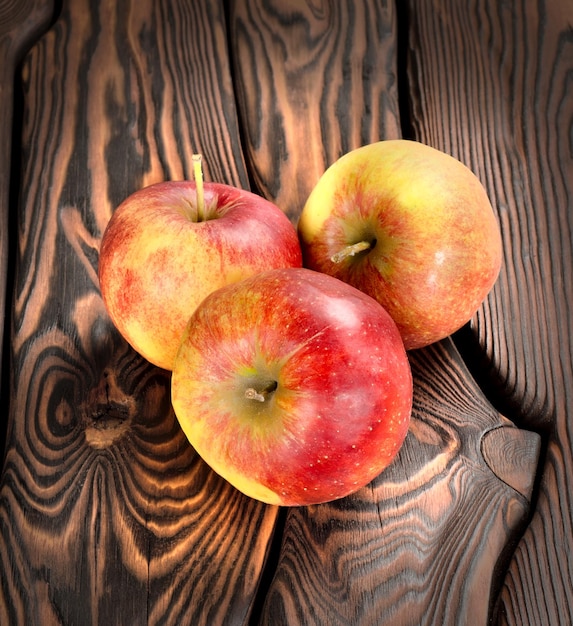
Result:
pixel 107 516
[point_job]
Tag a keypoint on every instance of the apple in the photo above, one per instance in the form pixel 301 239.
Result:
pixel 412 227
pixel 168 245
pixel 293 386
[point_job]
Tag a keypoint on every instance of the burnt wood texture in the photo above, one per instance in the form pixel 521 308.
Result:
pixel 21 21
pixel 107 515
pixel 497 93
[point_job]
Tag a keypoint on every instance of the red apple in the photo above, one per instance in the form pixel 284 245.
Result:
pixel 161 255
pixel 293 386
pixel 412 227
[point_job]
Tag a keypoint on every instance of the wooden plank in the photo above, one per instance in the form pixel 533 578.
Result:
pixel 107 515
pixel 424 542
pixel 20 23
pixel 497 93
pixel 304 68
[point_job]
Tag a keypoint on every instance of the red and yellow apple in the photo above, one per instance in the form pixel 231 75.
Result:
pixel 293 386
pixel 412 227
pixel 163 252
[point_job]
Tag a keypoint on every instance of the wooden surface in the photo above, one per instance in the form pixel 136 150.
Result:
pixel 107 516
pixel 21 21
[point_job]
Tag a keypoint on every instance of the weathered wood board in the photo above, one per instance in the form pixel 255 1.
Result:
pixel 497 93
pixel 106 513
pixel 20 24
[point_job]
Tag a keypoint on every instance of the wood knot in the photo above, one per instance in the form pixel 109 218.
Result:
pixel 107 413
pixel 111 415
pixel 512 455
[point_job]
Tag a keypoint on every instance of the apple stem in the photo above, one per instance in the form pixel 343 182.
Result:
pixel 260 396
pixel 350 250
pixel 198 175
pixel 253 394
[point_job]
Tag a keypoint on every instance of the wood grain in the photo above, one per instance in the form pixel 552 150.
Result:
pixel 425 543
pixel 107 515
pixel 497 93
pixel 304 67
pixel 20 23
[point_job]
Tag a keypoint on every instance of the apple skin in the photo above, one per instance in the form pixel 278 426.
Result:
pixel 157 262
pixel 437 246
pixel 343 398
